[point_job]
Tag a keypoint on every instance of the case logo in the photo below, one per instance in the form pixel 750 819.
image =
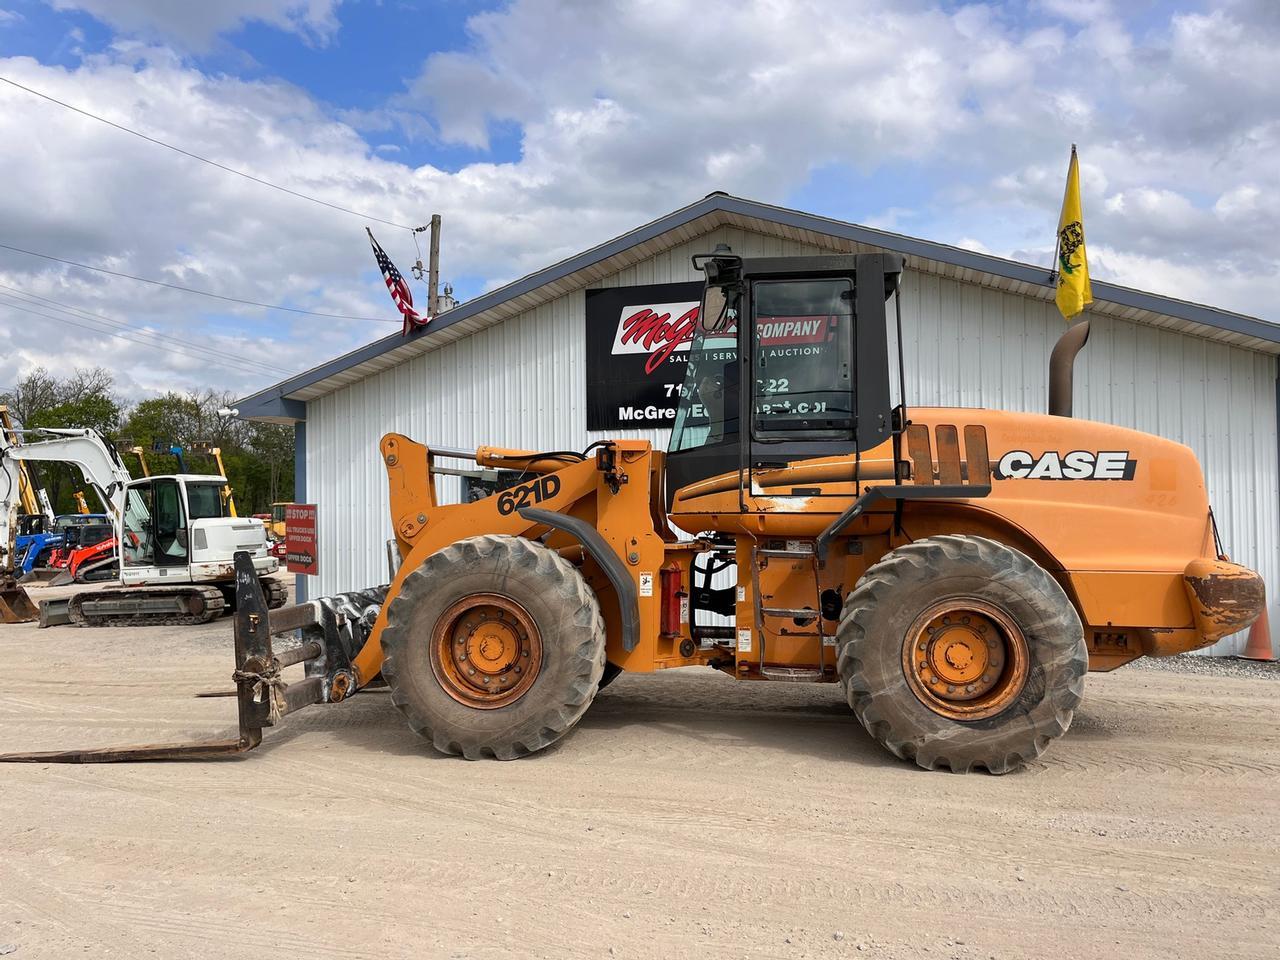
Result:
pixel 1075 465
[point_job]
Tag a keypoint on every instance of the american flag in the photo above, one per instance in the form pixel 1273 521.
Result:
pixel 400 294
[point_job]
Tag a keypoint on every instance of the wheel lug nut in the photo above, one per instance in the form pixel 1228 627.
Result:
pixel 950 688
pixel 969 688
pixel 486 679
pixel 964 619
pixel 470 672
pixel 517 669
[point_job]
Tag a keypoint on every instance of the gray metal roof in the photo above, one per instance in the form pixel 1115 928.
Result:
pixel 286 401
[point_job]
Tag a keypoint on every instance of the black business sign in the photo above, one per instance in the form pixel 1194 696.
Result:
pixel 637 346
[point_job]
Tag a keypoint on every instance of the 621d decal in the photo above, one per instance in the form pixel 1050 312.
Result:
pixel 544 488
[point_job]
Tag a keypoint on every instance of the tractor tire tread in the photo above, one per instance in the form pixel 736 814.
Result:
pixel 562 581
pixel 886 582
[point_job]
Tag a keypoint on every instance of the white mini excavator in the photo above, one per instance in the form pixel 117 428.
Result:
pixel 174 543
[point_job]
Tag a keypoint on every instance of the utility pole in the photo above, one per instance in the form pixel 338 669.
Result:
pixel 433 268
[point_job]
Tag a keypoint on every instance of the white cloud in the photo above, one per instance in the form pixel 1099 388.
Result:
pixel 194 24
pixel 641 108
pixel 1077 11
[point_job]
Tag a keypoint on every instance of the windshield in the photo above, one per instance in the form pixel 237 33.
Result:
pixel 204 500
pixel 703 417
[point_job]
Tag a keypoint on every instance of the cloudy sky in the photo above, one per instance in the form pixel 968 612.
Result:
pixel 539 128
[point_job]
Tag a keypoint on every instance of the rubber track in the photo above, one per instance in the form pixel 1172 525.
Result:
pixel 882 583
pixel 213 607
pixel 563 580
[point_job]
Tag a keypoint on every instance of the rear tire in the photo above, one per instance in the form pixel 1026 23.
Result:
pixel 960 652
pixel 494 647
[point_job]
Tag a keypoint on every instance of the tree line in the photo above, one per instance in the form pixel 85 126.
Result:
pixel 258 456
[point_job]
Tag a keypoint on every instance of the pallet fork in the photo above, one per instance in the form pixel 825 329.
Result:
pixel 262 695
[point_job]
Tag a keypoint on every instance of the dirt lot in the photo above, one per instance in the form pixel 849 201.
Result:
pixel 687 816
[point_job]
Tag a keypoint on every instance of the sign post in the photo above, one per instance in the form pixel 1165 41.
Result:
pixel 302 553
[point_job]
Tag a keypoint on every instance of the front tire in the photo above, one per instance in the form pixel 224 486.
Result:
pixel 960 652
pixel 494 647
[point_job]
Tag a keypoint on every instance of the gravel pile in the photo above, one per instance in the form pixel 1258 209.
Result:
pixel 1210 666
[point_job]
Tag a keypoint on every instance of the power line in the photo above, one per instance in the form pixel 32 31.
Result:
pixel 50 304
pixel 196 156
pixel 121 336
pixel 195 350
pixel 203 293
pixel 174 350
pixel 215 361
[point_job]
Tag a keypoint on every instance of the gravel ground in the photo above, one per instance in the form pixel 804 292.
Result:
pixel 1209 666
pixel 687 815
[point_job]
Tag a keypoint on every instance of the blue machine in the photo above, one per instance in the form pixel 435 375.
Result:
pixel 33 544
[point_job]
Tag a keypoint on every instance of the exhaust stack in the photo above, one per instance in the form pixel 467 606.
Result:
pixel 1062 364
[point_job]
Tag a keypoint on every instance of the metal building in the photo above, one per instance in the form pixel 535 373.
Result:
pixel 510 368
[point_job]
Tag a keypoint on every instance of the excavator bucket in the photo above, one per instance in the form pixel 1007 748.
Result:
pixel 15 605
pixel 61 578
pixel 261 693
pixel 51 576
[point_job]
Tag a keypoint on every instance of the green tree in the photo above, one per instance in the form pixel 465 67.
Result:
pixel 258 458
pixel 86 398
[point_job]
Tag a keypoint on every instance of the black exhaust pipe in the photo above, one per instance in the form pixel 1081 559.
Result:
pixel 1062 363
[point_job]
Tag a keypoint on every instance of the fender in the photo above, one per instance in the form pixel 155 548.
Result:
pixel 603 555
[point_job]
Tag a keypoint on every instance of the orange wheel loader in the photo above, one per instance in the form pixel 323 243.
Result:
pixel 956 571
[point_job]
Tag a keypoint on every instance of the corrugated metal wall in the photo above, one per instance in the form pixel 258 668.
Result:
pixel 521 384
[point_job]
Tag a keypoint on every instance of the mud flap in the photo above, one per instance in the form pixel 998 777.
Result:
pixel 262 695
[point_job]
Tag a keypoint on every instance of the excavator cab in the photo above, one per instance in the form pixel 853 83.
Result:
pixel 182 521
pixel 810 365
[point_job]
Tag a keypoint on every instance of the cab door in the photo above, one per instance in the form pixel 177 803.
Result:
pixel 171 536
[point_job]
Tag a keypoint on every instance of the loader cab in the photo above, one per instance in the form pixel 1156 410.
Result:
pixel 798 343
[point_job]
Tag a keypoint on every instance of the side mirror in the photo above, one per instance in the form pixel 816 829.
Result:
pixel 711 313
pixel 718 313
pixel 723 270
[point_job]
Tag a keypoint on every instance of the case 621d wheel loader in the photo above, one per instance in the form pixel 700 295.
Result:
pixel 955 571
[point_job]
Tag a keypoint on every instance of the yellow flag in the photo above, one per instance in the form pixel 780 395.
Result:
pixel 1074 290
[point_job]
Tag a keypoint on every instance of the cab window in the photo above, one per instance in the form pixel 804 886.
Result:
pixel 204 500
pixel 803 359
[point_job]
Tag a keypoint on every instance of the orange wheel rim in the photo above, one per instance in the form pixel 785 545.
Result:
pixel 486 651
pixel 965 659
